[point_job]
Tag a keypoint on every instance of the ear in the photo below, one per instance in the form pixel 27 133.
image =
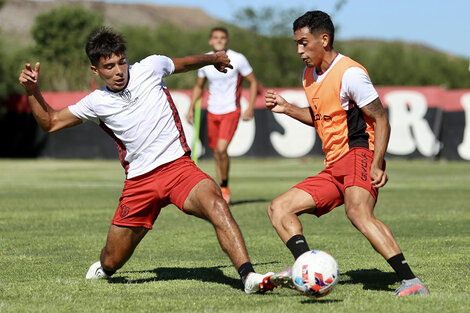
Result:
pixel 325 40
pixel 94 69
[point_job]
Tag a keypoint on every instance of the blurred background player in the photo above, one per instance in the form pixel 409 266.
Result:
pixel 349 118
pixel 223 111
pixel 136 109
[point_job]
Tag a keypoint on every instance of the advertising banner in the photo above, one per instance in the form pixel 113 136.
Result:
pixel 428 122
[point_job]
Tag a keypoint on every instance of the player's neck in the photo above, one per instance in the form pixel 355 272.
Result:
pixel 328 59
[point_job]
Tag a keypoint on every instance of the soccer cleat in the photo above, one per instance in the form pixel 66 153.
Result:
pixel 411 287
pixel 258 283
pixel 282 279
pixel 225 194
pixel 96 272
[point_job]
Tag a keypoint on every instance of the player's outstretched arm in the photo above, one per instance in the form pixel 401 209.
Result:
pixel 197 93
pixel 49 119
pixel 192 62
pixel 375 111
pixel 278 104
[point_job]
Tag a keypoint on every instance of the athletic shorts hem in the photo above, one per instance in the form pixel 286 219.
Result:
pixel 327 188
pixel 375 196
pixel 145 225
pixel 144 196
pixel 318 212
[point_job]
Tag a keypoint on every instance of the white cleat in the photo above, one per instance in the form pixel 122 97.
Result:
pixel 96 272
pixel 256 283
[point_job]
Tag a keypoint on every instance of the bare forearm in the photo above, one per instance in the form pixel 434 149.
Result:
pixel 193 62
pixel 253 94
pixel 382 135
pixel 301 114
pixel 197 93
pixel 42 111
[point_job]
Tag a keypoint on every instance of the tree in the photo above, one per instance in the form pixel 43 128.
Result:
pixel 271 21
pixel 61 33
pixel 267 21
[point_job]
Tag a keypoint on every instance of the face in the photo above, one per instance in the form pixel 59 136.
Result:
pixel 113 71
pixel 310 47
pixel 218 40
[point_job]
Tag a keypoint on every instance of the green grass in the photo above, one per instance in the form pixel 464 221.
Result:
pixel 54 216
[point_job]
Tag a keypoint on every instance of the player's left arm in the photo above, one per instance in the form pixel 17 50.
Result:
pixel 192 62
pixel 250 111
pixel 375 111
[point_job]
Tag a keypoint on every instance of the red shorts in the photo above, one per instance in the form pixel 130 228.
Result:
pixel 144 196
pixel 327 188
pixel 221 126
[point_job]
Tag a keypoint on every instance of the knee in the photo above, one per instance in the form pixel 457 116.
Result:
pixel 276 212
pixel 220 152
pixel 218 212
pixel 109 261
pixel 358 217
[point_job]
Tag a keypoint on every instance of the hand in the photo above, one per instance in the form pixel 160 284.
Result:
pixel 378 176
pixel 190 116
pixel 222 62
pixel 275 102
pixel 29 78
pixel 248 114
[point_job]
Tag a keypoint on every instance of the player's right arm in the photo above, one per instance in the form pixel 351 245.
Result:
pixel 197 93
pixel 219 59
pixel 278 104
pixel 49 119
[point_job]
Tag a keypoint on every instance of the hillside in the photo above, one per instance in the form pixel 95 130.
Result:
pixel 17 16
pixel 390 63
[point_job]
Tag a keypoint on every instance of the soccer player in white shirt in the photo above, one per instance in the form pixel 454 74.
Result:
pixel 223 111
pixel 136 109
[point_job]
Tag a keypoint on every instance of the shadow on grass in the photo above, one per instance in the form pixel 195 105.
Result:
pixel 372 279
pixel 320 301
pixel 233 203
pixel 205 274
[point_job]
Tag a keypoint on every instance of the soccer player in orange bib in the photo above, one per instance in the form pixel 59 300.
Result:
pixel 136 109
pixel 350 120
pixel 223 111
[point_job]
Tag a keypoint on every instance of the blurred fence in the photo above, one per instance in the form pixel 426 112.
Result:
pixel 426 122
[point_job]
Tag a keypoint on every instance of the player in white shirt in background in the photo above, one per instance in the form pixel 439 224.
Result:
pixel 136 110
pixel 223 111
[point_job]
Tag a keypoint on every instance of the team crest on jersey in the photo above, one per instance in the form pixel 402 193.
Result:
pixel 127 96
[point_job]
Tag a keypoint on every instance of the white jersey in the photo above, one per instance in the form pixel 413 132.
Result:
pixel 355 85
pixel 225 88
pixel 142 117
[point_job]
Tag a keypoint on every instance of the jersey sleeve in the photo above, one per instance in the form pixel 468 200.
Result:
pixel 356 86
pixel 244 67
pixel 160 64
pixel 83 109
pixel 201 73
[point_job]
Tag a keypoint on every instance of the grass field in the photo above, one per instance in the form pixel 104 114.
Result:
pixel 54 216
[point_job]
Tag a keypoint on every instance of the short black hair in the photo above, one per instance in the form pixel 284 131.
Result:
pixel 220 29
pixel 104 42
pixel 317 21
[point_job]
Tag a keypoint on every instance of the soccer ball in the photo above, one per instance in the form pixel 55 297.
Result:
pixel 315 273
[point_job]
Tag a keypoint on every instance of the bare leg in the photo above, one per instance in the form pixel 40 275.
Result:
pixel 120 245
pixel 359 205
pixel 222 160
pixel 285 209
pixel 205 201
